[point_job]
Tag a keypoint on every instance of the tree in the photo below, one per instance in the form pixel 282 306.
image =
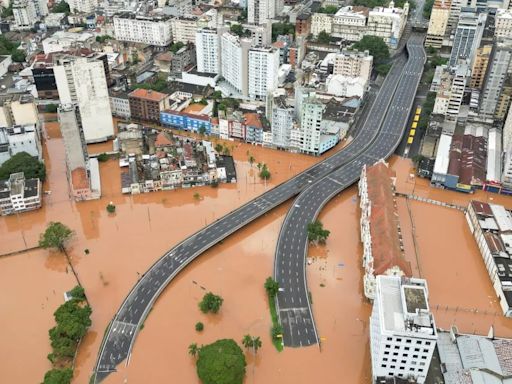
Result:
pixel 221 362
pixel 264 172
pixel 247 341
pixel 72 319
pixel 18 56
pixel 202 130
pixel 256 344
pixel 78 293
pixel 193 349
pixel 102 39
pixel 111 208
pixel 61 7
pixel 376 46
pixel 237 29
pixel 7 12
pixel 271 286
pixel 210 303
pixel 199 326
pixel 282 29
pixel 55 236
pixel 323 37
pixel 102 157
pixel 197 196
pixel 251 160
pixel 277 331
pixel 226 151
pixel 330 9
pixel 23 162
pixel 58 376
pixel 7 46
pixel 218 148
pixel 317 233
pixel 51 108
pixel 427 8
pixel 175 47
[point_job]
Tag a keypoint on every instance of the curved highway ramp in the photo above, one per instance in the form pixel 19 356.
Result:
pixel 289 267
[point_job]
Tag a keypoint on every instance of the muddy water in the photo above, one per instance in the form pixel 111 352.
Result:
pixel 144 226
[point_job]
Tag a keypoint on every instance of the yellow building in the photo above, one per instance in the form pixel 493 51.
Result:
pixel 480 66
pixel 438 23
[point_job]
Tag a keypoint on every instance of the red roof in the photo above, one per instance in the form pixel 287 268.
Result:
pixel 79 179
pixel 162 140
pixel 384 223
pixel 253 119
pixel 147 94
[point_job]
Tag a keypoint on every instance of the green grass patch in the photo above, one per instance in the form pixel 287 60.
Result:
pixel 277 341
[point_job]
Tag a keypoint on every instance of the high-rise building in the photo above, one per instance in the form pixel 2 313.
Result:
pixel 184 29
pixel 82 172
pixel 261 11
pixel 146 104
pixel 143 29
pixel 480 66
pixel 499 63
pixel 234 61
pixel 311 118
pixel 388 23
pixel 82 81
pixel 468 34
pixel 19 195
pixel 262 73
pixel 438 23
pixel 207 50
pixel 24 13
pixel 403 333
pixel 281 122
pixel 82 6
pixel 451 85
pixel 353 64
pixel 503 23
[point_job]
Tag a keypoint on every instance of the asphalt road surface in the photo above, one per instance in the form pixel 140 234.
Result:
pixel 123 329
pixel 382 131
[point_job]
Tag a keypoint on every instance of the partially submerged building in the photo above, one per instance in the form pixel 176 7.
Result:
pixel 18 194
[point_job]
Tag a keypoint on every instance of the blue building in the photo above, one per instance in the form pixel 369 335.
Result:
pixel 185 121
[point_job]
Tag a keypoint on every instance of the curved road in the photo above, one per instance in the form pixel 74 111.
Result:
pixel 121 333
pixel 289 269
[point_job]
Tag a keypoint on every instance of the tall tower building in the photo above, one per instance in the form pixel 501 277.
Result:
pixel 438 23
pixel 403 333
pixel 234 61
pixel 82 81
pixel 468 34
pixel 261 11
pixel 24 13
pixel 282 122
pixel 207 50
pixel 263 68
pixel 499 63
pixel 82 6
pixel 311 118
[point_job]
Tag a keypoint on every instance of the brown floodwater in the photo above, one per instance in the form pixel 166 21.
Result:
pixel 145 226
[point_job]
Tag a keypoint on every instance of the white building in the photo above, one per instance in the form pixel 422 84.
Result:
pixel 263 72
pixel 18 109
pixel 491 225
pixel 142 29
pixel 24 13
pixel 20 138
pixel 184 29
pixel 353 64
pixel 234 61
pixel 503 23
pixel 349 23
pixel 388 23
pixel 261 11
pixel 345 86
pixel 321 22
pixel 82 81
pixel 62 41
pixel 468 34
pixel 281 122
pixel 82 6
pixel 311 119
pixel 451 85
pixel 19 195
pixel 120 106
pixel 207 51
pixel 402 329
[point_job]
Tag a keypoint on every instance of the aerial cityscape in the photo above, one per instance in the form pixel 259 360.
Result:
pixel 256 191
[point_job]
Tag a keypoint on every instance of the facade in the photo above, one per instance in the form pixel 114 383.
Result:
pixel 82 6
pixel 383 252
pixel 184 29
pixel 388 23
pixel 438 23
pixel 207 51
pixel 499 63
pixel 19 195
pixel 20 138
pixel 82 81
pixel 350 23
pixel 503 23
pixel 120 105
pixel 18 109
pixel 321 22
pixel 83 175
pixel 281 122
pixel 480 66
pixel 468 35
pixel 186 121
pixel 491 225
pixel 141 29
pixel 311 118
pixel 261 11
pixel 451 85
pixel 46 85
pixel 353 64
pixel 24 13
pixel 234 61
pixel 146 104
pixel 403 333
pixel 262 72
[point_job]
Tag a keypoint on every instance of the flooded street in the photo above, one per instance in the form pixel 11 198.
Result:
pixel 121 246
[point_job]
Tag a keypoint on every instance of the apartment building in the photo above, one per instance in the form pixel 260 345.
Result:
pixel 120 105
pixel 82 172
pixel 24 13
pixel 353 64
pixel 468 34
pixel 321 22
pixel 438 23
pixel 82 6
pixel 82 81
pixel 234 61
pixel 503 20
pixel 491 225
pixel 207 50
pixel 311 119
pixel 18 109
pixel 143 29
pixel 261 11
pixel 350 23
pixel 18 194
pixel 403 333
pixel 480 66
pixel 281 122
pixel 451 85
pixel 381 235
pixel 388 23
pixel 184 29
pixel 146 104
pixel 494 81
pixel 20 138
pixel 262 72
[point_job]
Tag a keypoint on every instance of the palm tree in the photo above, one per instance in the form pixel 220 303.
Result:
pixel 193 349
pixel 247 341
pixel 251 159
pixel 256 344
